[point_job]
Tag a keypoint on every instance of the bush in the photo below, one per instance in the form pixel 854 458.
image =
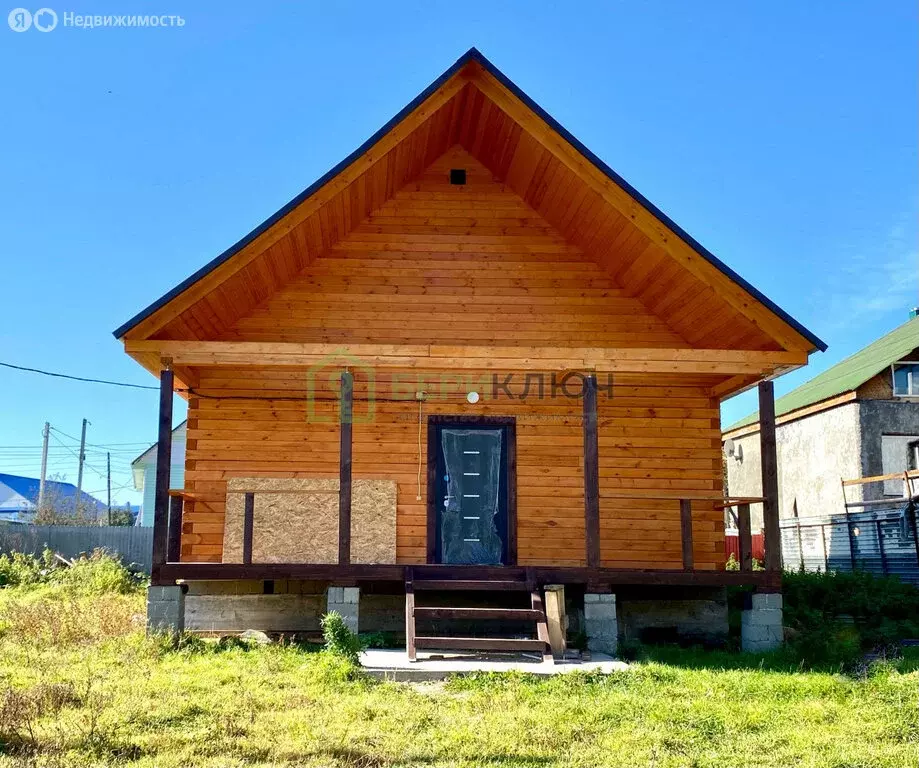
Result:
pixel 849 612
pixel 19 570
pixel 732 564
pixel 98 574
pixel 832 619
pixel 339 639
pixel 379 640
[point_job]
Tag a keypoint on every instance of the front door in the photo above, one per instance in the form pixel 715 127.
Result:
pixel 470 487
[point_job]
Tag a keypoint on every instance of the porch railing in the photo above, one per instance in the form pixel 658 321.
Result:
pixel 742 515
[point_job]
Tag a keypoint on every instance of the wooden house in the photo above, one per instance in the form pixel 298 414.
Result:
pixel 470 357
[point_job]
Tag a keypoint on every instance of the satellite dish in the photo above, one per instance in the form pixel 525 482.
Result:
pixel 729 447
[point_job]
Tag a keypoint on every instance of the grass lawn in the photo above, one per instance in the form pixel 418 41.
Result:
pixel 82 685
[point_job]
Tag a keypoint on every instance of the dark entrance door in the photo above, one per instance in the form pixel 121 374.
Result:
pixel 470 491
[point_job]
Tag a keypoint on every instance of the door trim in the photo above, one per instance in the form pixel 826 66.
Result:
pixel 510 422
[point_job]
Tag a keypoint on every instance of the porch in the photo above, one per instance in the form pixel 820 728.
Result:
pixel 169 565
pixel 345 571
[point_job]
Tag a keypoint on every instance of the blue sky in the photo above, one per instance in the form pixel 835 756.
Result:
pixel 782 135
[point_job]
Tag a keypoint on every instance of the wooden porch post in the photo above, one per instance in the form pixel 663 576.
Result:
pixel 591 473
pixel 772 535
pixel 744 538
pixel 163 464
pixel 344 473
pixel 174 546
pixel 686 533
pixel 248 527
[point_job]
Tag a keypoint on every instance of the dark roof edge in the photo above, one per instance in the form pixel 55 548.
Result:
pixel 306 193
pixel 473 54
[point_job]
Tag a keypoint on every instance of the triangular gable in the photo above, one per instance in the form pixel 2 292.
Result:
pixel 465 267
pixel 475 106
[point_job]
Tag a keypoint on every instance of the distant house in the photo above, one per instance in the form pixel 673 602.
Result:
pixel 858 419
pixel 144 470
pixel 19 499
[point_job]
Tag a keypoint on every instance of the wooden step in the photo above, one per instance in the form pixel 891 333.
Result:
pixel 457 585
pixel 522 614
pixel 479 644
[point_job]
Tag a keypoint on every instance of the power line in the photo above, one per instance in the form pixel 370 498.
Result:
pixel 98 445
pixel 76 378
pixel 77 456
pixel 105 448
pixel 114 488
pixel 190 390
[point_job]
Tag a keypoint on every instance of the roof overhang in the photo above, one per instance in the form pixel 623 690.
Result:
pixel 473 89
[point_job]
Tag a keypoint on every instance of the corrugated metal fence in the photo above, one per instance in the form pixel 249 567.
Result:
pixel 881 541
pixel 134 545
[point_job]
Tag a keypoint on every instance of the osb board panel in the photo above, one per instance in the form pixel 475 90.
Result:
pixel 373 521
pixel 303 528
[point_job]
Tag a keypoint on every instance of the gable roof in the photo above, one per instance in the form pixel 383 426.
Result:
pixel 476 105
pixel 847 375
pixel 14 488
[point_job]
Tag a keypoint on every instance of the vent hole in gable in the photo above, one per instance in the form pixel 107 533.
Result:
pixel 457 175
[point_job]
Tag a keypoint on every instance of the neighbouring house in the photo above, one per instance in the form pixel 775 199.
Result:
pixel 857 419
pixel 470 364
pixel 143 470
pixel 19 499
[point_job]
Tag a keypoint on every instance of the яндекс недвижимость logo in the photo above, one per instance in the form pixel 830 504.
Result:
pixel 21 19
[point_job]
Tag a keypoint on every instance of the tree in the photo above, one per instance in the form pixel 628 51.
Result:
pixel 60 509
pixel 122 517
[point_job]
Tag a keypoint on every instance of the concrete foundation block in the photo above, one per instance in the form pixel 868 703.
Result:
pixel 351 595
pixel 165 609
pixel 761 624
pixel 336 594
pixel 766 601
pixel 600 623
pixel 346 602
pixel 765 616
pixel 168 594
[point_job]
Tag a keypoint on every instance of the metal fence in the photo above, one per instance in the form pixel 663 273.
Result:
pixel 133 545
pixel 732 546
pixel 881 541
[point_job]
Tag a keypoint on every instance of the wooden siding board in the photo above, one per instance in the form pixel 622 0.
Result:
pixel 246 441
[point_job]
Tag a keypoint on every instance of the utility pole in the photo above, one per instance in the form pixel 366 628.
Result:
pixel 44 465
pixel 108 473
pixel 79 500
